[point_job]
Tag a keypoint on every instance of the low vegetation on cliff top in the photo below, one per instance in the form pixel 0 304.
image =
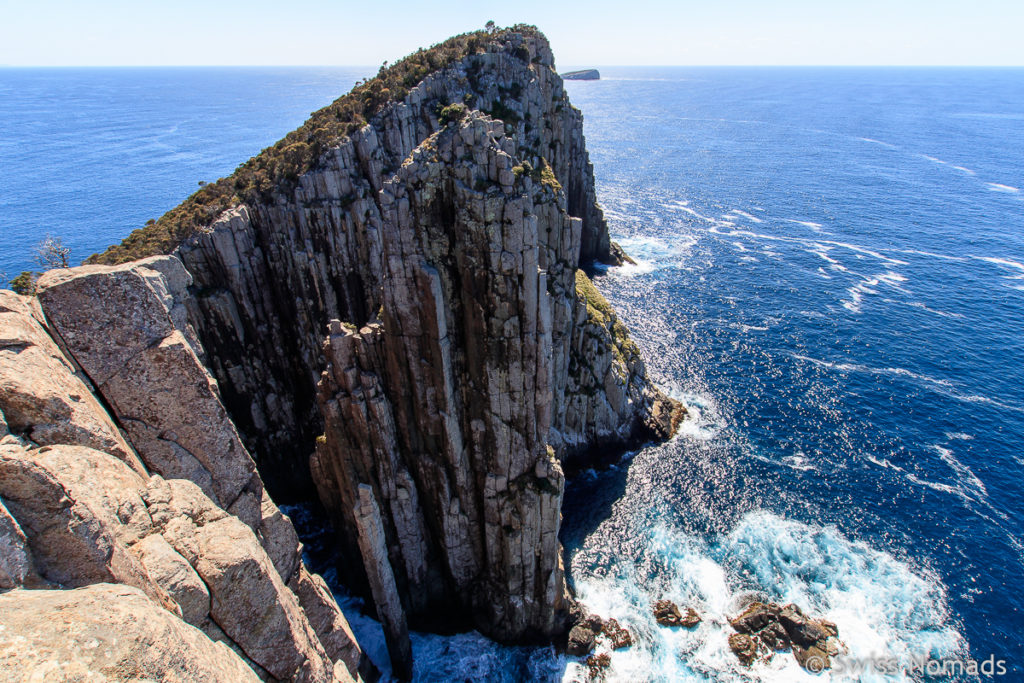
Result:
pixel 297 153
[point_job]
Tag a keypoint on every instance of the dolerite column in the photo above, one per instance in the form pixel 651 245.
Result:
pixel 442 404
pixel 382 583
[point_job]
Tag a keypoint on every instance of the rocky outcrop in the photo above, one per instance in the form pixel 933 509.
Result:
pixel 45 396
pixel 667 613
pixel 269 276
pixel 765 628
pixel 444 407
pixel 145 368
pixel 75 516
pixel 94 633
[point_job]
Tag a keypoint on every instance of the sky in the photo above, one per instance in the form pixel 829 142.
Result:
pixel 597 32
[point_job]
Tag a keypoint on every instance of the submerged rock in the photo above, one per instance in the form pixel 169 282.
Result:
pixel 667 613
pixel 619 636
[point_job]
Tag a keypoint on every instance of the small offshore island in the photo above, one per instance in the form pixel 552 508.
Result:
pixel 584 75
pixel 387 313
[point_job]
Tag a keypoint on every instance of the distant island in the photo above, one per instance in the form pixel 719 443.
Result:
pixel 583 75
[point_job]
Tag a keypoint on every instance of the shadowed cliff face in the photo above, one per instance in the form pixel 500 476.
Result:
pixel 269 276
pixel 444 405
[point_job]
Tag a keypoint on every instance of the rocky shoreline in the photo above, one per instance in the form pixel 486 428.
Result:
pixel 402 332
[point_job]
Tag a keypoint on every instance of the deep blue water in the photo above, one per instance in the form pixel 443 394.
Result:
pixel 831 276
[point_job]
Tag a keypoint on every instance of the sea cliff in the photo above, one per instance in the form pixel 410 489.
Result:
pixel 388 312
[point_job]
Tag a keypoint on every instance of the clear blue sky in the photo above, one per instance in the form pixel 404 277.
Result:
pixel 634 32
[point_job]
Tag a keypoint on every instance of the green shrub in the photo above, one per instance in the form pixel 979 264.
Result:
pixel 25 284
pixel 276 169
pixel 544 175
pixel 453 112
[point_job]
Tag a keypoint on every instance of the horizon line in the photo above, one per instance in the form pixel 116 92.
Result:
pixel 571 66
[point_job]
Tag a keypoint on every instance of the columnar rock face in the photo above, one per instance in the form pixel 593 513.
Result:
pixel 83 508
pixel 270 276
pixel 444 407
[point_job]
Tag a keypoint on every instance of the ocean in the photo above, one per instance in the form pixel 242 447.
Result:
pixel 830 275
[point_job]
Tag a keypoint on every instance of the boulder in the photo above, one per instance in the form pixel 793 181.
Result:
pixel 801 630
pixel 755 617
pixel 667 613
pixel 105 632
pixel 581 641
pixel 330 624
pixel 279 539
pixel 744 647
pixel 815 659
pixel 177 577
pixel 248 599
pixel 781 628
pixel 75 537
pixel 774 637
pixel 598 665
pixel 619 636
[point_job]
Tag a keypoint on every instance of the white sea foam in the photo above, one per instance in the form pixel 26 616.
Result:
pixel 798 461
pixel 923 307
pixel 878 142
pixel 652 253
pixel 737 212
pixel 949 164
pixel 702 217
pixel 959 436
pixel 941 386
pixel 965 475
pixel 999 187
pixel 703 419
pixel 879 603
pixel 1016 267
pixel 816 227
pixel 931 254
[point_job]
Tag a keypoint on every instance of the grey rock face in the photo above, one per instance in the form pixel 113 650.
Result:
pixel 16 566
pixel 382 582
pixel 269 277
pixel 443 410
pixel 582 75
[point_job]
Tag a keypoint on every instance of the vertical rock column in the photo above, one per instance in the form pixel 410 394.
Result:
pixel 443 406
pixel 382 582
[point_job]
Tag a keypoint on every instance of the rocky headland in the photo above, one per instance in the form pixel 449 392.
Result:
pixel 386 313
